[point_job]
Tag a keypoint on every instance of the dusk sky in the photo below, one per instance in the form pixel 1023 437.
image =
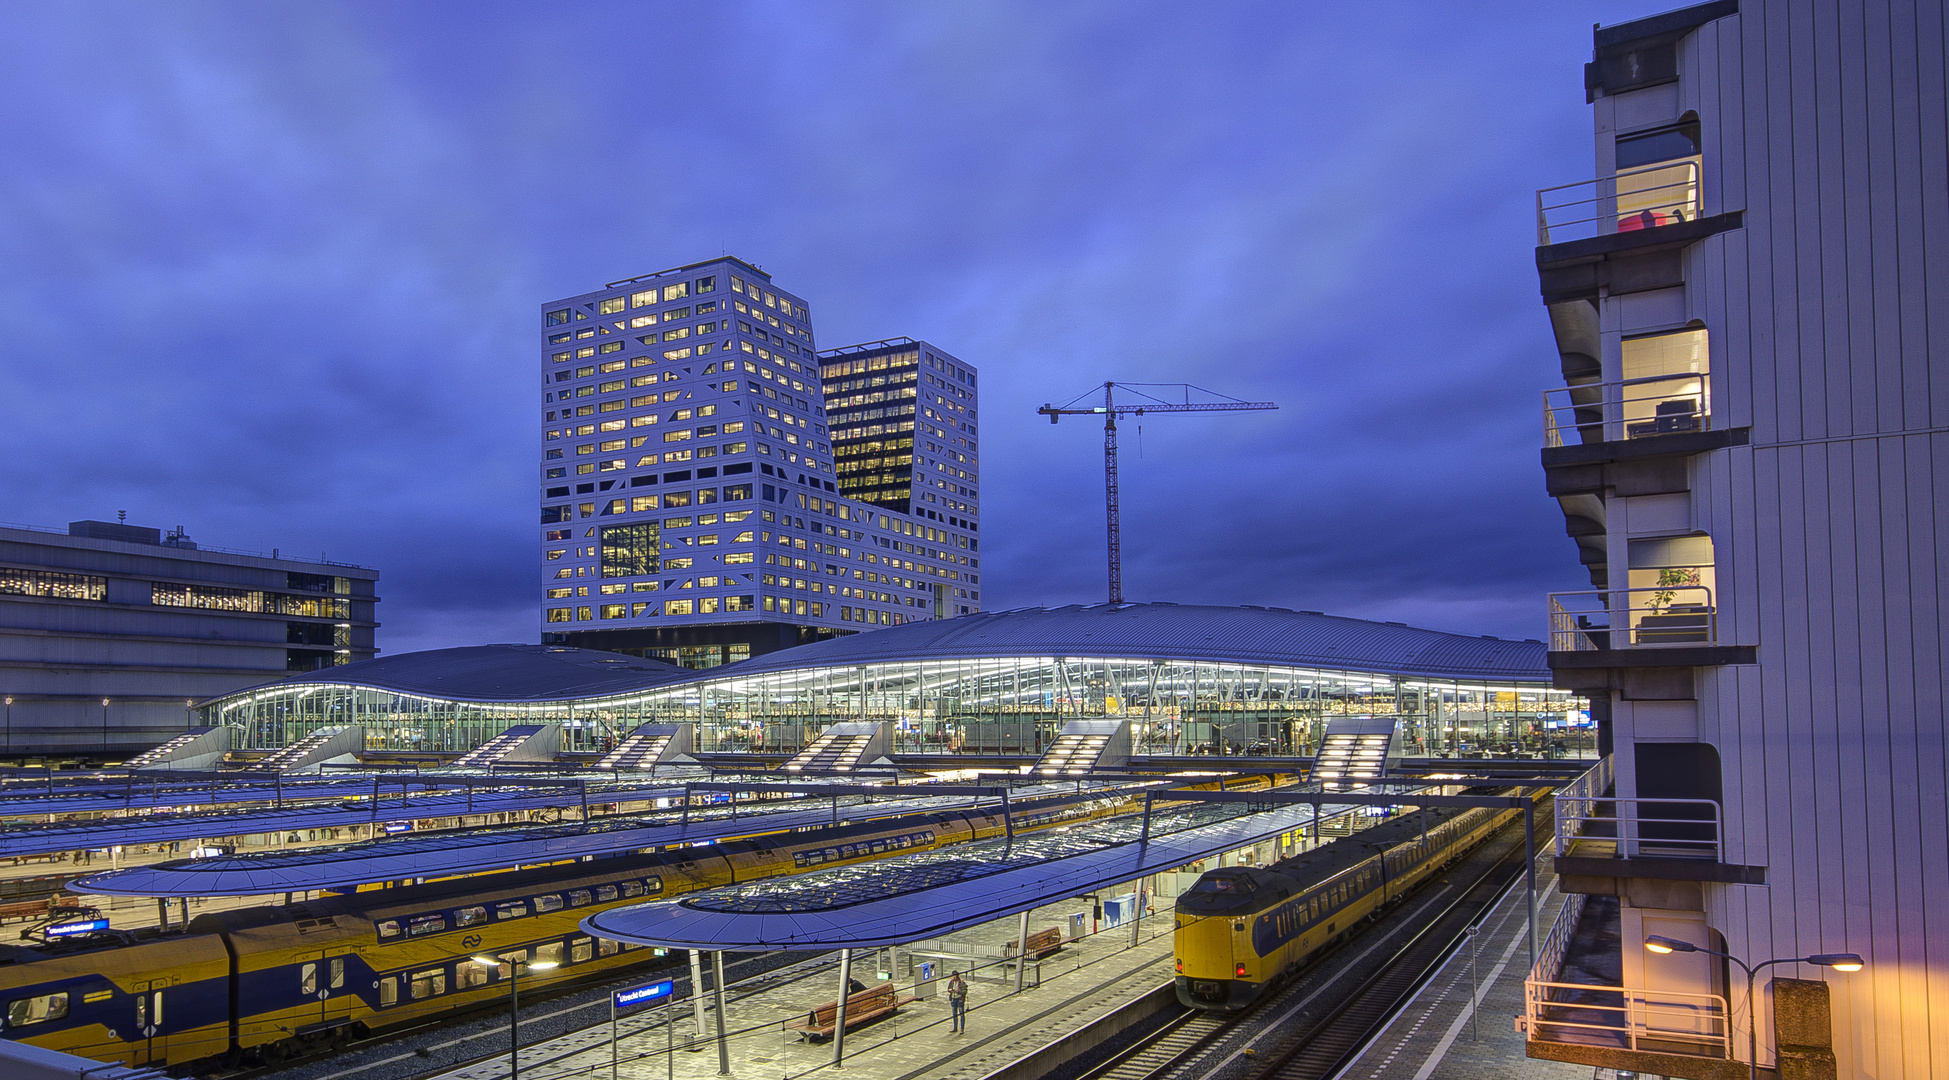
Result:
pixel 274 271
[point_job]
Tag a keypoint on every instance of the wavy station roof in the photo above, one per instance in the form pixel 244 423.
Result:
pixel 1182 632
pixel 496 673
pixel 1251 635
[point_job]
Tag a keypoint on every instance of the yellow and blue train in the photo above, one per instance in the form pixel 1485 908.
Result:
pixel 268 983
pixel 1242 928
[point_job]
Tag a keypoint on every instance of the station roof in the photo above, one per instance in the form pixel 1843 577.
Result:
pixel 494 673
pixel 1186 632
pixel 913 897
pixel 472 851
pixel 1253 635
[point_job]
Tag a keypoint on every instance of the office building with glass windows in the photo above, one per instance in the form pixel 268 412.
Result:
pixel 905 429
pixel 1747 445
pixel 110 631
pixel 691 503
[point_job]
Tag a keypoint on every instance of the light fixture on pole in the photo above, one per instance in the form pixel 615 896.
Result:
pixel 1845 961
pixel 514 1002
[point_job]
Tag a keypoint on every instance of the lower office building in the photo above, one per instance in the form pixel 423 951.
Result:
pixel 1748 446
pixel 109 632
pixel 692 504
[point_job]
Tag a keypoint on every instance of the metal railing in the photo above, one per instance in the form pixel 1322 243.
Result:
pixel 1652 617
pixel 1589 1014
pixel 1663 194
pixel 1631 409
pixel 1653 1021
pixel 1639 828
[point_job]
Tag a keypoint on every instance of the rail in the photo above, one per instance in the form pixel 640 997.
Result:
pixel 1654 1021
pixel 1663 194
pixel 1628 409
pixel 1623 829
pixel 1654 616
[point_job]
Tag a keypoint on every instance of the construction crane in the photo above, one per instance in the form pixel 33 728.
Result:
pixel 1150 403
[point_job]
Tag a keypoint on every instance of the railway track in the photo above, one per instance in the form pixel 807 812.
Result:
pixel 1363 996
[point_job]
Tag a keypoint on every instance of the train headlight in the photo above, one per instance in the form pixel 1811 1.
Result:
pixel 1240 971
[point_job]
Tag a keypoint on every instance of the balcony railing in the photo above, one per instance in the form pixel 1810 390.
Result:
pixel 1613 828
pixel 1662 194
pixel 1632 409
pixel 1658 616
pixel 1586 1014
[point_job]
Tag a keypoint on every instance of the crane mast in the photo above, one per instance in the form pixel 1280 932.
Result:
pixel 1110 411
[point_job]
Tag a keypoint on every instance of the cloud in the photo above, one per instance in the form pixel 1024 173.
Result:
pixel 272 271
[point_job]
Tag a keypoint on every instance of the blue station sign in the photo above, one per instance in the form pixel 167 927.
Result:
pixel 645 994
pixel 74 928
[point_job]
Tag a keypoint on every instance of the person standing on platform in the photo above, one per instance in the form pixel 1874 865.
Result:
pixel 957 1001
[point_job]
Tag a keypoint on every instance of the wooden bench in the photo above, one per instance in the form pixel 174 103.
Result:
pixel 1041 943
pixel 863 1007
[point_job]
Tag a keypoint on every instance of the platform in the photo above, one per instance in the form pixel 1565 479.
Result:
pixel 1433 1038
pixel 1083 982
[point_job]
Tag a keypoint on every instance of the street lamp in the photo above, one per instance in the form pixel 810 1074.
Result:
pixel 514 1003
pixel 1843 961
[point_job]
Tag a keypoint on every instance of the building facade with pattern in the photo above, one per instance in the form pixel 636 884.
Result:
pixel 691 506
pixel 1750 445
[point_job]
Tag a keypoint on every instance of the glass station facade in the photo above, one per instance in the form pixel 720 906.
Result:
pixel 990 705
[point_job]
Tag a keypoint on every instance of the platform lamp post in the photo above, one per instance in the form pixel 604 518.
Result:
pixel 104 731
pixel 514 1003
pixel 1845 961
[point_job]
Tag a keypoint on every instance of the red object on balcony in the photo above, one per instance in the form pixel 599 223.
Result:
pixel 1644 219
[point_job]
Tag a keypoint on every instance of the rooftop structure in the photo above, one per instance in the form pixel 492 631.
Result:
pixel 690 503
pixel 109 631
pixel 1746 461
pixel 1187 678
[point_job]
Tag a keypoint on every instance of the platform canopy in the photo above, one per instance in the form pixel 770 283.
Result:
pixel 914 897
pixel 443 854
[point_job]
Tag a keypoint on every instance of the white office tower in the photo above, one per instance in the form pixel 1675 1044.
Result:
pixel 690 504
pixel 1749 301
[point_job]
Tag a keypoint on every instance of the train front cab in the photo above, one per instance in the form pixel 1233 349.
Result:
pixel 1216 965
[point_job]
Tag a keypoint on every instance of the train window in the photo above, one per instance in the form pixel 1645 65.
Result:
pixel 550 953
pixel 141 1011
pixel 605 893
pixel 388 991
pixel 632 888
pixel 425 924
pixel 388 928
pixel 308 979
pixel 429 983
pixel 653 885
pixel 468 916
pixel 510 909
pixel 551 902
pixel 578 898
pixel 338 973
pixel 581 950
pixel 467 975
pixel 606 947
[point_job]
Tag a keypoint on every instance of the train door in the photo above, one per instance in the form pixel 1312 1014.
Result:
pixel 150 1038
pixel 336 1001
pixel 314 979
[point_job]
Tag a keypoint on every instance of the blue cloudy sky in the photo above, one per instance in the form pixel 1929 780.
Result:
pixel 272 271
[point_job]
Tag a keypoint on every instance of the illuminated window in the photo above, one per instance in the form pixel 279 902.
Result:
pixel 610 306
